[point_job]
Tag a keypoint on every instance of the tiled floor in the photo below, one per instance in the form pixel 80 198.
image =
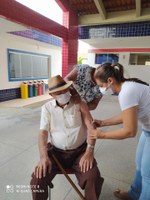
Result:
pixel 19 125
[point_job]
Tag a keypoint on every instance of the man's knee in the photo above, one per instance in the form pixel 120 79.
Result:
pixel 36 182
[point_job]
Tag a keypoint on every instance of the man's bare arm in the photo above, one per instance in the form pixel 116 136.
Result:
pixel 44 163
pixel 42 142
pixel 88 120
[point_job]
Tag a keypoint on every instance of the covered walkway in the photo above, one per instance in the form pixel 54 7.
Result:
pixel 19 153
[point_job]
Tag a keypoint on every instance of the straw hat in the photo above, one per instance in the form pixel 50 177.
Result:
pixel 57 83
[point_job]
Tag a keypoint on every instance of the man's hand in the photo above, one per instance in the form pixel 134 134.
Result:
pixel 42 167
pixel 86 161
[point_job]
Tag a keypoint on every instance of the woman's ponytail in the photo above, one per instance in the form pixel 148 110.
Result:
pixel 106 70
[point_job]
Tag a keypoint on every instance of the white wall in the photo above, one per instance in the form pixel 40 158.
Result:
pixel 20 43
pixel 91 59
pixel 138 71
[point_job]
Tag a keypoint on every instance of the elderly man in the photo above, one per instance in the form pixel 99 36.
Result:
pixel 67 124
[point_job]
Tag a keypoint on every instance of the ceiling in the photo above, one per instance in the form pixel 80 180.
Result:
pixel 110 11
pixel 87 7
pixel 92 12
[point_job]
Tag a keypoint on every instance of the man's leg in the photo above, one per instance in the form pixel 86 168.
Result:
pixel 91 180
pixel 39 187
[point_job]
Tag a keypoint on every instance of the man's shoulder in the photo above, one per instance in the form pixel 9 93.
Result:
pixel 51 103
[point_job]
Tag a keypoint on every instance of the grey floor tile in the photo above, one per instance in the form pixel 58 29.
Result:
pixel 16 174
pixel 20 127
pixel 7 153
pixel 110 185
pixel 62 187
pixel 115 159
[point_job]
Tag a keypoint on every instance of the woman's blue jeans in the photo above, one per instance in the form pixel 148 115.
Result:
pixel 140 187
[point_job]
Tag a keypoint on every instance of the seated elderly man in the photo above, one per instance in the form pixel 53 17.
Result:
pixel 67 124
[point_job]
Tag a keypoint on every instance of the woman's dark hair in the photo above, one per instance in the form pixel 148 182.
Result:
pixel 106 70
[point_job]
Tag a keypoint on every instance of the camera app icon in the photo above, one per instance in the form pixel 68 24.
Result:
pixel 9 188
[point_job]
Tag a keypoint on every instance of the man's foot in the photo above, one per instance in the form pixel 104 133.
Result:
pixel 122 195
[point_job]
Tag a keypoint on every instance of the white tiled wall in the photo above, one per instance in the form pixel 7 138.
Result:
pixel 20 43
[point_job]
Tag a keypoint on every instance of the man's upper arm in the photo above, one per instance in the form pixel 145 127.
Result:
pixel 45 119
pixel 86 115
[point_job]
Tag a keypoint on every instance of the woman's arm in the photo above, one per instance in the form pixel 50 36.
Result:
pixel 108 122
pixel 72 75
pixel 113 120
pixel 130 121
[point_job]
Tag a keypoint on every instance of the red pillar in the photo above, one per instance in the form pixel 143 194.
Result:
pixel 70 45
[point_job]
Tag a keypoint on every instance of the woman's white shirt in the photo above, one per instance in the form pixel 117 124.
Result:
pixel 136 94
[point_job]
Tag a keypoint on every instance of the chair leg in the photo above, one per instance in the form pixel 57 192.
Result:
pixel 50 186
pixel 49 193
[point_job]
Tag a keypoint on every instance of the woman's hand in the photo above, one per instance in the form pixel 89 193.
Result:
pixel 97 123
pixel 95 134
pixel 76 98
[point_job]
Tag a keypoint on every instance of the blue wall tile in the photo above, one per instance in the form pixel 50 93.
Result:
pixel 42 37
pixel 9 94
pixel 134 29
pixel 14 93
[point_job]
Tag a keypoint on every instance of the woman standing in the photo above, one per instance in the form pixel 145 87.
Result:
pixel 134 100
pixel 85 85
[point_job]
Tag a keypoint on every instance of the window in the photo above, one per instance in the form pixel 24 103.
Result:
pixel 102 58
pixel 26 65
pixel 139 59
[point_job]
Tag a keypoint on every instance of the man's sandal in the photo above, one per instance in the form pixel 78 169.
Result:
pixel 122 195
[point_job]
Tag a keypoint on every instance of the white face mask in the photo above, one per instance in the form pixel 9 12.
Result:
pixel 105 90
pixel 63 98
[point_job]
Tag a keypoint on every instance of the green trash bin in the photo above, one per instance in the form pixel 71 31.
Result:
pixel 35 88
